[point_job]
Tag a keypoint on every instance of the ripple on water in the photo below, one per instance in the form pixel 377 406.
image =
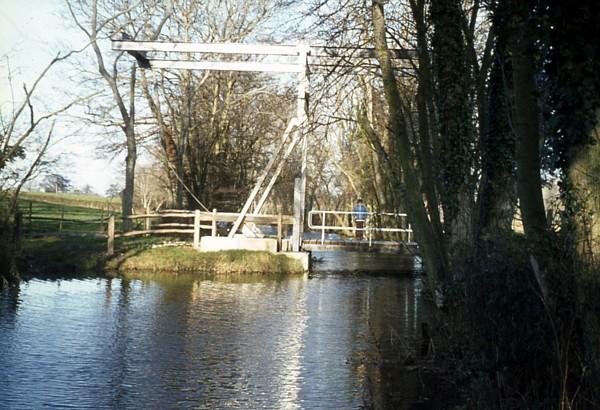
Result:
pixel 287 342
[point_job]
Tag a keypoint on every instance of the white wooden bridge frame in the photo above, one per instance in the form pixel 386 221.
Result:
pixel 334 56
pixel 323 226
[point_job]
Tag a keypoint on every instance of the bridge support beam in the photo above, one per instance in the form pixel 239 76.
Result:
pixel 299 205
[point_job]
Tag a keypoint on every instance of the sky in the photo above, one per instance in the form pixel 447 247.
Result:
pixel 31 33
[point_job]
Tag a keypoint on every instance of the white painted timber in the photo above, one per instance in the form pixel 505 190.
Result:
pixel 250 66
pixel 223 243
pixel 217 48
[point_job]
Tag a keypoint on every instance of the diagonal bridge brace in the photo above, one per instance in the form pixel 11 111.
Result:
pixel 294 123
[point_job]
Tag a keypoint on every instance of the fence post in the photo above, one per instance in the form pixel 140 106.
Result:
pixel 323 228
pixel 213 230
pixel 197 228
pixel 147 219
pixel 101 220
pixel 110 249
pixel 62 216
pixel 279 232
pixel 30 216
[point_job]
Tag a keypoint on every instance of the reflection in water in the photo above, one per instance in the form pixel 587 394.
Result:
pixel 366 262
pixel 283 342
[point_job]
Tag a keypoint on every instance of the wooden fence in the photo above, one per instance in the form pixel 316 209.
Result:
pixel 199 220
pixel 40 224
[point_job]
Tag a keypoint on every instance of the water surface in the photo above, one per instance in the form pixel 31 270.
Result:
pixel 203 342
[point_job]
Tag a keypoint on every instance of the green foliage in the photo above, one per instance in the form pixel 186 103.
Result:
pixel 501 345
pixel 572 65
pixel 512 347
pixel 452 88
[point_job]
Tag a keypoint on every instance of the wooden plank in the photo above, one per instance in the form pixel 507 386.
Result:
pixel 171 225
pixel 197 229
pixel 359 52
pixel 208 217
pixel 87 221
pixel 258 49
pixel 153 231
pixel 246 66
pixel 269 219
pixel 188 214
pixel 216 48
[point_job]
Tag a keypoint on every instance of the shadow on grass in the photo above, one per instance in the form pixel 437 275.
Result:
pixel 55 256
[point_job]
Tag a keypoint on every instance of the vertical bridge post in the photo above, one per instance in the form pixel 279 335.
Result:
pixel 300 183
pixel 213 228
pixel 196 229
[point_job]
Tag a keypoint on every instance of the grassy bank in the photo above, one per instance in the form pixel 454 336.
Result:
pixel 47 256
pixel 186 259
pixel 80 247
pixel 59 255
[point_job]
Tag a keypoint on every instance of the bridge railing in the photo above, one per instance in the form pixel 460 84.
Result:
pixel 375 222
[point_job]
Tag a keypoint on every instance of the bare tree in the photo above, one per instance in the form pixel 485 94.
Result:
pixel 102 24
pixel 25 136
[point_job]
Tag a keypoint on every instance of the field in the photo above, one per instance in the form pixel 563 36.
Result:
pixel 45 213
pixel 78 200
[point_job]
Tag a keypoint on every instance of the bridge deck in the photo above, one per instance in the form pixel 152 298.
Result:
pixel 358 245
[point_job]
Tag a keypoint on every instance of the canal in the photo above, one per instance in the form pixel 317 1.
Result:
pixel 321 341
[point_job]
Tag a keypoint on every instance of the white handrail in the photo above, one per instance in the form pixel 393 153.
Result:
pixel 368 227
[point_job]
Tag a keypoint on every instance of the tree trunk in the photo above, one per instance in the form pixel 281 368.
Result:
pixel 452 81
pixel 131 158
pixel 497 187
pixel 527 127
pixel 426 150
pixel 434 257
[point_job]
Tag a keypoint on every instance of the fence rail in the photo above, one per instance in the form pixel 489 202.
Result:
pixel 63 221
pixel 194 228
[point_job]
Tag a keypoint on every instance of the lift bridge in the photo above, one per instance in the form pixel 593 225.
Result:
pixel 327 226
pixel 382 231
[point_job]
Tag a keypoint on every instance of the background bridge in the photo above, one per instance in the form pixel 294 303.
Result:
pixel 383 231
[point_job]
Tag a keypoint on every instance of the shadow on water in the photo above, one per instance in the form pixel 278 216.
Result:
pixel 339 261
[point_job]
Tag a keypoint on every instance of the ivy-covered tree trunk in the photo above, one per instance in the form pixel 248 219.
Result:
pixel 427 147
pixel 452 87
pixel 434 257
pixel 497 188
pixel 526 121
